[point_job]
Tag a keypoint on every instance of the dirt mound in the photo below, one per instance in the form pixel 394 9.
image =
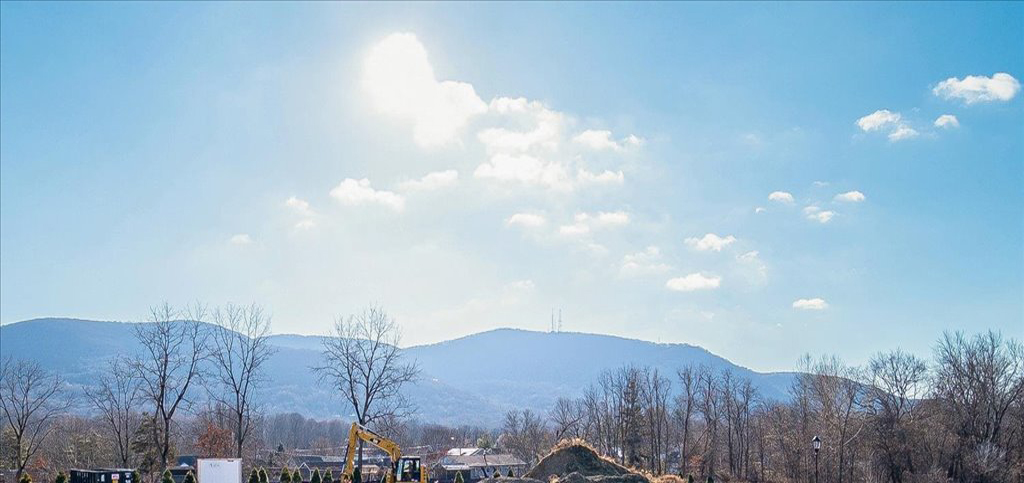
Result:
pixel 577 458
pixel 573 477
pixel 510 480
pixel 626 478
pixel 669 479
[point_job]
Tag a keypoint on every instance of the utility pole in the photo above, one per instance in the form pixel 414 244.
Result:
pixel 559 320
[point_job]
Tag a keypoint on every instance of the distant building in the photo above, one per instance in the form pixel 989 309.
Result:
pixel 182 465
pixel 465 451
pixel 187 460
pixel 476 466
pixel 101 475
pixel 306 463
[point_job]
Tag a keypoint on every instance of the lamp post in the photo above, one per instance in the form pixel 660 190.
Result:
pixel 816 444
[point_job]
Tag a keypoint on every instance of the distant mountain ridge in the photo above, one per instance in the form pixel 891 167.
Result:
pixel 469 380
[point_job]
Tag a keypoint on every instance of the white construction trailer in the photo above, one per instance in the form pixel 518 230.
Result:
pixel 219 470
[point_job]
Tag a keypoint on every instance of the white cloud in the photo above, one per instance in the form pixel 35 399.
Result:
pixel 241 239
pixel 760 209
pixel 814 213
pixel 752 260
pixel 516 292
pixel 978 88
pixel 810 304
pixel 432 181
pixel 647 262
pixel 947 121
pixel 400 82
pixel 600 140
pixel 879 120
pixel 781 197
pixel 528 147
pixel 521 286
pixel 535 126
pixel 749 256
pixel 613 218
pixel 751 268
pixel 524 139
pixel 300 206
pixel 585 222
pixel 693 281
pixel 886 120
pixel 531 170
pixel 351 192
pixel 820 183
pixel 526 220
pixel 710 241
pixel 606 177
pixel 574 230
pixel 595 249
pixel 902 132
pixel 633 140
pixel 525 169
pixel 597 140
pixel 850 196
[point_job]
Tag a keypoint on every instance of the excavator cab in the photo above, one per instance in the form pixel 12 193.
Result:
pixel 409 470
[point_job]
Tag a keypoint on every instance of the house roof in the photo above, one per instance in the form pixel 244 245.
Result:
pixel 464 451
pixel 481 460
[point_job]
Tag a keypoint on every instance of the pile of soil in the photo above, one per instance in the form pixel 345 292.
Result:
pixel 586 463
pixel 626 478
pixel 504 479
pixel 573 477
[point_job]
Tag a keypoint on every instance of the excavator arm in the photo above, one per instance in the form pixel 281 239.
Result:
pixel 358 433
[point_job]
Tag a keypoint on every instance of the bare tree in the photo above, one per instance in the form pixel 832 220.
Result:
pixel 30 398
pixel 685 405
pixel 174 345
pixel 709 406
pixel 115 400
pixel 241 350
pixel 837 396
pixel 525 435
pixel 654 396
pixel 363 362
pixel 567 417
pixel 895 383
pixel 981 380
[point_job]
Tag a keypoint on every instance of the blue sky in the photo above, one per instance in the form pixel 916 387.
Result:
pixel 612 160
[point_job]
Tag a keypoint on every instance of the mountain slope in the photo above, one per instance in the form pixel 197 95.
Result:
pixel 518 368
pixel 471 380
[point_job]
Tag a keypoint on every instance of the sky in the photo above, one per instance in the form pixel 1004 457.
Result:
pixel 763 180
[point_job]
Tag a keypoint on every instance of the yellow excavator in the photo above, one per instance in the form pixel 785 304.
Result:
pixel 404 469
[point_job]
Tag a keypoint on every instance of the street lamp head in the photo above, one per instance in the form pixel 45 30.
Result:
pixel 816 444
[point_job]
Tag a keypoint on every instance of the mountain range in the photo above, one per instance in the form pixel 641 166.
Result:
pixel 469 380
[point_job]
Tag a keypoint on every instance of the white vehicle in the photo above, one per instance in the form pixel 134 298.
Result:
pixel 219 470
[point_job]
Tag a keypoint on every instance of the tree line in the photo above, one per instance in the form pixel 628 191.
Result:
pixel 194 388
pixel 958 417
